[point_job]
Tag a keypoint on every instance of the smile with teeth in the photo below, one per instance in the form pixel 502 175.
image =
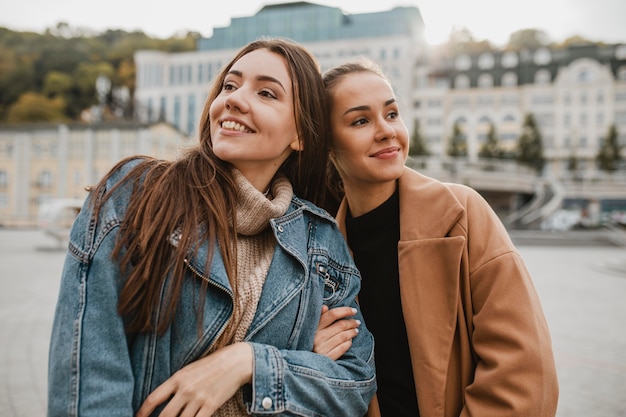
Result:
pixel 230 125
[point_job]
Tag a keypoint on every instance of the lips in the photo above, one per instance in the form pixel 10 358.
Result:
pixel 386 152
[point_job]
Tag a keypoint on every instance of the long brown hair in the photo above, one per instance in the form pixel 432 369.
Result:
pixel 197 189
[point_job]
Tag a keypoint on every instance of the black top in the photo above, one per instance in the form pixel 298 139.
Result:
pixel 373 238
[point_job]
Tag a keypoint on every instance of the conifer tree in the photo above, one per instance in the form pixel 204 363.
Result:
pixel 491 148
pixel 530 145
pixel 418 145
pixel 609 154
pixel 457 144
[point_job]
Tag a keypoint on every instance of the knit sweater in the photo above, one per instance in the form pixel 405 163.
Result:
pixel 255 248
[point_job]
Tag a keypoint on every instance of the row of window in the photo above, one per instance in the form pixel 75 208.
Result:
pixel 510 59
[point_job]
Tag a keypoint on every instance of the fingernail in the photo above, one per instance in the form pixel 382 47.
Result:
pixel 353 310
pixel 358 322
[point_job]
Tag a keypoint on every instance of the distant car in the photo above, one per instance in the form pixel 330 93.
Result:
pixel 56 217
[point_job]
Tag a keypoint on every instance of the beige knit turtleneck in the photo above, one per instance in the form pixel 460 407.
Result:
pixel 255 248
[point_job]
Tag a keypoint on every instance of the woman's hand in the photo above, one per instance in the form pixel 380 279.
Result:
pixel 335 331
pixel 201 387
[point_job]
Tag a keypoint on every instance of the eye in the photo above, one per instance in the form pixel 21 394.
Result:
pixel 267 94
pixel 228 86
pixel 359 122
pixel 393 115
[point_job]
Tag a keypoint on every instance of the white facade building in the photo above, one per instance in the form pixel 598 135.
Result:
pixel 174 86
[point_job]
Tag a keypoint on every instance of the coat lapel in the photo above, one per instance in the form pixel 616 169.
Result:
pixel 429 263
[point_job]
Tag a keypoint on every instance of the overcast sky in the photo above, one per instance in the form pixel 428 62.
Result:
pixel 495 20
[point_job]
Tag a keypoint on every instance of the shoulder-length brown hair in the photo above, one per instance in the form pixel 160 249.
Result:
pixel 198 190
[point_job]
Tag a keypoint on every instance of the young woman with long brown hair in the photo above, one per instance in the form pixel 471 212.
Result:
pixel 194 286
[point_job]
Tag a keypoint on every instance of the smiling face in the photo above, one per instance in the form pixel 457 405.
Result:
pixel 369 139
pixel 252 119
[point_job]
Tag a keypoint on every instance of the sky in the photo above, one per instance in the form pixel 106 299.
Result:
pixel 494 20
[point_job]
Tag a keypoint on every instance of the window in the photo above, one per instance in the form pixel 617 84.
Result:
pixel 509 79
pixel 542 56
pixel 542 77
pixel 584 76
pixel 485 81
pixel 509 59
pixel 45 179
pixel 462 81
pixel 463 62
pixel 486 61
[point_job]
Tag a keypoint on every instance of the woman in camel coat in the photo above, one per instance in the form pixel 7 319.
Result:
pixel 476 340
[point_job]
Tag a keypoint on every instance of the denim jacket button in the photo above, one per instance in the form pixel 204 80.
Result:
pixel 266 403
pixel 280 228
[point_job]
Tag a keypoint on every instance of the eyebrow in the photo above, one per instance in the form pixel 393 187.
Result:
pixel 361 108
pixel 260 78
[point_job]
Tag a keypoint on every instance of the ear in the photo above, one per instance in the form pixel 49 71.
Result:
pixel 296 144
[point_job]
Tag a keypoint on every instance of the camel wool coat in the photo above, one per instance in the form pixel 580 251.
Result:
pixel 478 338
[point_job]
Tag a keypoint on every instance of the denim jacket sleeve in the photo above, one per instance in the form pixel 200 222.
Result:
pixel 90 372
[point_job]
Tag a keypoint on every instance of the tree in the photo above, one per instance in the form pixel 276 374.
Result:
pixel 458 143
pixel 461 40
pixel 609 155
pixel 530 145
pixel 34 107
pixel 57 84
pixel 491 148
pixel 528 38
pixel 418 145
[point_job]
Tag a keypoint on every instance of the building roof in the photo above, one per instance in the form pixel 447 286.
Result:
pixel 309 22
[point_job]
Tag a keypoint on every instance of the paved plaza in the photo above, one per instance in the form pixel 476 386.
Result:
pixel 583 291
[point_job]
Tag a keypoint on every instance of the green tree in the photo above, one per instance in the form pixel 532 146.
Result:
pixel 530 145
pixel 609 155
pixel 458 143
pixel 34 107
pixel 418 145
pixel 491 147
pixel 57 84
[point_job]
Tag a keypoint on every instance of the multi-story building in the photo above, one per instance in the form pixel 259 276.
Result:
pixel 174 86
pixel 575 94
pixel 43 162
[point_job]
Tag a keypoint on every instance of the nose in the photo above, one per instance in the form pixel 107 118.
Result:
pixel 385 130
pixel 236 100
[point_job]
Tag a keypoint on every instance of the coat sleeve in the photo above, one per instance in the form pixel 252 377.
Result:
pixel 515 372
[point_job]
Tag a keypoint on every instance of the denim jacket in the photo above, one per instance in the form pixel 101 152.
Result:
pixel 97 369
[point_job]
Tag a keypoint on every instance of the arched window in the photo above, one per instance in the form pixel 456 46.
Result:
pixel 462 81
pixel 485 81
pixel 486 61
pixel 509 79
pixel 542 77
pixel 509 59
pixel 542 56
pixel 463 62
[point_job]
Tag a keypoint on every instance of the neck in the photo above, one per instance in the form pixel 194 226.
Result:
pixel 363 199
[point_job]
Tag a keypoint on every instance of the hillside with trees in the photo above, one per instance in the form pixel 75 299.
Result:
pixel 51 77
